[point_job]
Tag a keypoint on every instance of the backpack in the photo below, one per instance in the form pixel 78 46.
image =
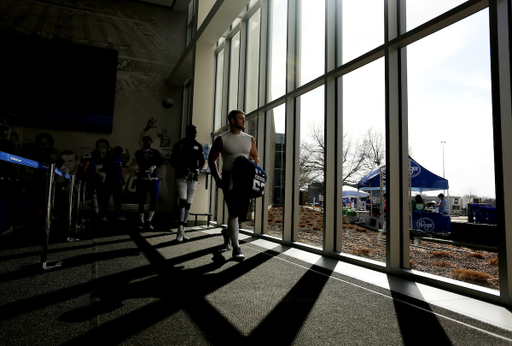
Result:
pixel 248 177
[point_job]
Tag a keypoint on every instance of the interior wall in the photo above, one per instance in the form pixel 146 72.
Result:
pixel 149 40
pixel 202 115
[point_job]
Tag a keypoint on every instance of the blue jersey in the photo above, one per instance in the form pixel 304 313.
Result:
pixel 187 156
pixel 113 169
pixel 146 158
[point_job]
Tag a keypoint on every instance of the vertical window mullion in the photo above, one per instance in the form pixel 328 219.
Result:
pixel 397 253
pixel 500 14
pixel 290 217
pixel 259 215
pixel 338 126
pixel 330 206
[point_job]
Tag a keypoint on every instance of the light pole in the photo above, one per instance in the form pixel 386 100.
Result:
pixel 443 143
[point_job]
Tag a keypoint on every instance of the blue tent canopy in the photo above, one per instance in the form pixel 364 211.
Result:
pixel 421 179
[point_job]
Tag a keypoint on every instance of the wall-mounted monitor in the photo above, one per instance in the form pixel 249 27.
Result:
pixel 52 84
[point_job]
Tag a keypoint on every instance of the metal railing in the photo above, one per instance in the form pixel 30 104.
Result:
pixel 73 206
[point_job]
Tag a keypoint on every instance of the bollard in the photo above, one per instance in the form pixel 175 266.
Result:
pixel 70 215
pixel 50 187
pixel 78 196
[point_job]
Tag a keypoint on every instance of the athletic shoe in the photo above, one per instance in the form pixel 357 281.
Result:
pixel 237 254
pixel 121 218
pixel 227 239
pixel 184 235
pixel 150 225
pixel 141 225
pixel 104 219
pixel 179 236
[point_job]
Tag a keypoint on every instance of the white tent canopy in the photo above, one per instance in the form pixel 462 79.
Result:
pixel 348 191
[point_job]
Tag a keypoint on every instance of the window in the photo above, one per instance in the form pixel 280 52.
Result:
pixel 438 96
pixel 219 118
pixel 449 106
pixel 362 27
pixel 191 26
pixel 312 43
pixel 277 59
pixel 421 11
pixel 312 167
pixel 234 66
pixel 364 150
pixel 252 62
pixel 275 170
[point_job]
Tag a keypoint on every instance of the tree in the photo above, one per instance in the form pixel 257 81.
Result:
pixel 470 195
pixel 489 200
pixel 353 160
pixel 358 158
pixel 306 174
pixel 373 149
pixel 312 158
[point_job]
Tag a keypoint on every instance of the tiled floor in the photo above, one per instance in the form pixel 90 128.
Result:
pixel 476 309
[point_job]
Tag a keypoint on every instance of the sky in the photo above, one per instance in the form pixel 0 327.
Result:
pixel 449 88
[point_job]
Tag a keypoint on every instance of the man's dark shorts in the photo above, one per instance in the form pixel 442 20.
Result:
pixel 236 201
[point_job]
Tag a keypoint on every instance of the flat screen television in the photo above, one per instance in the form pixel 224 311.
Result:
pixel 52 84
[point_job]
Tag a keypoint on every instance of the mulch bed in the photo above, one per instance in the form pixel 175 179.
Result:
pixel 446 260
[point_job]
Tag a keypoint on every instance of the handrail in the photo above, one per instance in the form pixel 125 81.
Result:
pixel 30 163
pixel 49 199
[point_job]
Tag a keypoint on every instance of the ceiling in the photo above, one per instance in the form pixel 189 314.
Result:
pixel 176 5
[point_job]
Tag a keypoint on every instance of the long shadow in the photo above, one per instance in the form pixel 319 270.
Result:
pixel 417 322
pixel 159 265
pixel 20 307
pixel 162 266
pixel 190 286
pixel 287 318
pixel 72 246
pixel 45 300
pixel 175 242
pixel 116 331
pixel 29 236
pixel 177 290
pixel 77 261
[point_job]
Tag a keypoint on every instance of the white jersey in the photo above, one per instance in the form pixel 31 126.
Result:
pixel 234 146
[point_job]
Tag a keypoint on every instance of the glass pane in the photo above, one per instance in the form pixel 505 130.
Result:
pixel 362 27
pixel 190 11
pixel 312 166
pixel 275 171
pixel 364 150
pixel 312 42
pixel 450 134
pixel 252 3
pixel 277 59
pixel 279 158
pixel 421 11
pixel 251 127
pixel 220 120
pixel 237 20
pixel 252 69
pixel 234 64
